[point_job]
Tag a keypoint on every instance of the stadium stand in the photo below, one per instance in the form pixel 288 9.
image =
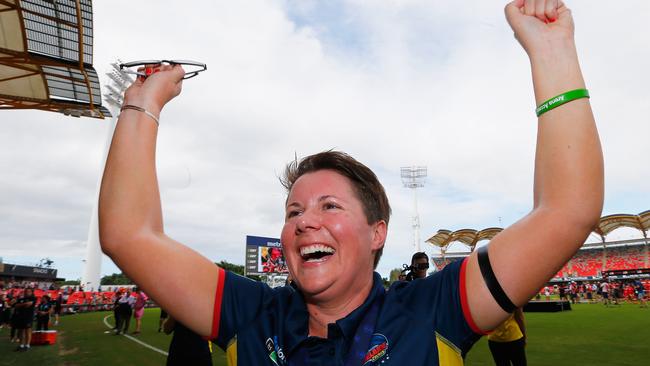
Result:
pixel 590 262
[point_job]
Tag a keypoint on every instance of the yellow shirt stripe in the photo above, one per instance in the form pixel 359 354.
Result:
pixel 231 352
pixel 448 353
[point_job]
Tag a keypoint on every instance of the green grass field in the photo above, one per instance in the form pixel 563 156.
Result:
pixel 588 335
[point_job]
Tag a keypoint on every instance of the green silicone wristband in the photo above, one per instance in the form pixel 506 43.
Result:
pixel 561 99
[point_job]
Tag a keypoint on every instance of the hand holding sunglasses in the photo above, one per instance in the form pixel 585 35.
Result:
pixel 146 68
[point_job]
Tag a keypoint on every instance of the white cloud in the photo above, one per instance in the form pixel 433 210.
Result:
pixel 394 83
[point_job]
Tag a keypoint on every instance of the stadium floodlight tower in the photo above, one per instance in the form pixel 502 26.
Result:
pixel 413 178
pixel 114 97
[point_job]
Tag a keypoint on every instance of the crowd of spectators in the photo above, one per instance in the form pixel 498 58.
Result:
pixel 588 262
pixel 592 262
pixel 22 304
pixel 68 299
pixel 609 292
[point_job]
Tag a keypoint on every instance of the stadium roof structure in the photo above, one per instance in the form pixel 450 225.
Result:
pixel 609 223
pixel 468 237
pixel 606 225
pixel 46 55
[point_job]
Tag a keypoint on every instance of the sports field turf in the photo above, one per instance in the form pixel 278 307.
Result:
pixel 589 335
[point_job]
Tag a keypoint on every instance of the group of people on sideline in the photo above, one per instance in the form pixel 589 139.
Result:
pixel 22 310
pixel 18 311
pixel 127 305
pixel 607 292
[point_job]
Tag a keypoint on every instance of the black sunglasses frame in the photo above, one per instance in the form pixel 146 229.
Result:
pixel 421 266
pixel 127 65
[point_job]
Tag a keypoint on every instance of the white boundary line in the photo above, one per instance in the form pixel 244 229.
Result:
pixel 137 340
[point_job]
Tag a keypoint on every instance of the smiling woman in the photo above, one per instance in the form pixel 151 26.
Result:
pixel 336 220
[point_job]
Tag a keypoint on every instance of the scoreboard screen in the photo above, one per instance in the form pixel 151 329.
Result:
pixel 264 256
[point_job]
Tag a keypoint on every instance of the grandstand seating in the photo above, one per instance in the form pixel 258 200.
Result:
pixel 589 262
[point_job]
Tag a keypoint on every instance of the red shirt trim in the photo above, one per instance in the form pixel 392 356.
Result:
pixel 463 300
pixel 216 317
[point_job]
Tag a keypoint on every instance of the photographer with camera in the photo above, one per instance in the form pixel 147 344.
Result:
pixel 418 268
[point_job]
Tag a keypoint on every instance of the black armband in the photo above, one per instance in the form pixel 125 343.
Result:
pixel 491 281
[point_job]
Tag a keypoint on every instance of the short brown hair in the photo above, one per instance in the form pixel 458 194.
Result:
pixel 366 185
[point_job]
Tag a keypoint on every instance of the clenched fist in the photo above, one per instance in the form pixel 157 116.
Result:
pixel 540 25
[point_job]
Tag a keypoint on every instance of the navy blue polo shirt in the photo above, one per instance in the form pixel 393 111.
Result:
pixel 423 322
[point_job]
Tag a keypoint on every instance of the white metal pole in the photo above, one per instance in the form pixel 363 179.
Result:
pixel 416 220
pixel 93 262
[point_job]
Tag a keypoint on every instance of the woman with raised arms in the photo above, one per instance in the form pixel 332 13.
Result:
pixel 337 214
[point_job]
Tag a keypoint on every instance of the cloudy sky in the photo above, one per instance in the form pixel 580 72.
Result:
pixel 392 82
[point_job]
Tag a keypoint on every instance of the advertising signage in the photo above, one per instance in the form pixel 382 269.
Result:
pixel 14 270
pixel 264 256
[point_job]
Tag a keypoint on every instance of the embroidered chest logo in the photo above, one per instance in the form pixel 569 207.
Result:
pixel 275 353
pixel 377 351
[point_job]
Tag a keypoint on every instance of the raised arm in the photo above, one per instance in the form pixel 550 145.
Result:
pixel 130 218
pixel 568 191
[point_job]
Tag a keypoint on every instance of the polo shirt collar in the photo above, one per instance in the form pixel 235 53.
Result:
pixel 350 323
pixel 296 327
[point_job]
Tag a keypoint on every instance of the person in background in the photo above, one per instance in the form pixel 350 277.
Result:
pixel 4 306
pixel 419 266
pixel 13 318
pixel 186 347
pixel 605 289
pixel 43 311
pixel 93 302
pixel 640 294
pixel 116 312
pixel 138 309
pixel 573 292
pixel 562 291
pixel 163 317
pixel 58 306
pixel 125 309
pixel 508 341
pixel 25 317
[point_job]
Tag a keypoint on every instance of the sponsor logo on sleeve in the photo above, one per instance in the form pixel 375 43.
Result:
pixel 276 354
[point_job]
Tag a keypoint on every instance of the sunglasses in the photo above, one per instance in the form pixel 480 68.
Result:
pixel 421 266
pixel 192 68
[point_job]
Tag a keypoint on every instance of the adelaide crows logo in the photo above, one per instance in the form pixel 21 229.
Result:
pixel 377 351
